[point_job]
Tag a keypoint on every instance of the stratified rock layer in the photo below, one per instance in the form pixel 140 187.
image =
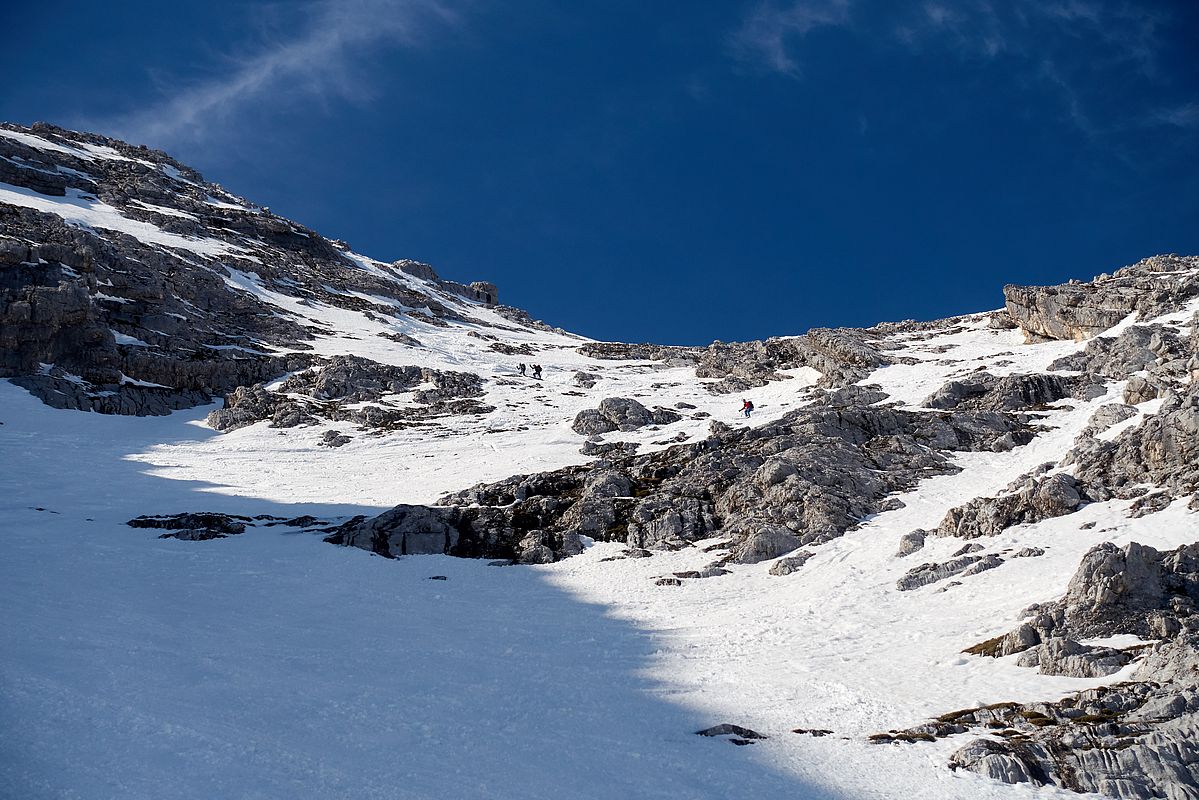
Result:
pixel 1137 739
pixel 1079 310
pixel 802 480
pixel 100 320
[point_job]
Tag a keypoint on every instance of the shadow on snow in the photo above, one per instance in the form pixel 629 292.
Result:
pixel 133 667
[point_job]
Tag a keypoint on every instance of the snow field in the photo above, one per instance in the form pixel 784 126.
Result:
pixel 272 665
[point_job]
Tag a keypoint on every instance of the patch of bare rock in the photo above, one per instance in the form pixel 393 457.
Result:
pixel 357 390
pixel 802 480
pixel 1135 739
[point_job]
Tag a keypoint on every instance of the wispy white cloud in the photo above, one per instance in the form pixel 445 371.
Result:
pixel 1069 47
pixel 1108 32
pixel 1053 77
pixel 1181 116
pixel 1129 32
pixel 317 63
pixel 971 27
pixel 769 32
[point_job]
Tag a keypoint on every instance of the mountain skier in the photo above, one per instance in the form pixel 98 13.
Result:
pixel 537 371
pixel 522 370
pixel 747 407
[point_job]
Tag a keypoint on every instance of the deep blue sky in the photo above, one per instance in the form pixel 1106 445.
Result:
pixel 668 171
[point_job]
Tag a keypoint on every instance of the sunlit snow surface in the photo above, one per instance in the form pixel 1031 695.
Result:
pixel 272 665
pixel 84 210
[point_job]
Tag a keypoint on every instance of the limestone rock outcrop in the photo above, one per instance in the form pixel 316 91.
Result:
pixel 621 414
pixel 1041 499
pixel 1137 739
pixel 357 390
pixel 843 356
pixel 1078 310
pixel 145 326
pixel 802 480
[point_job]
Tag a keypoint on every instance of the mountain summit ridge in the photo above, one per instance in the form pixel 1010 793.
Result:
pixel 153 276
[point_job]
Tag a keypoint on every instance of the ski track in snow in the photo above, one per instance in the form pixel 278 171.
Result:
pixel 272 665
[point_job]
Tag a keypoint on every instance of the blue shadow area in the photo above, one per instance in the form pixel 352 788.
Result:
pixel 273 665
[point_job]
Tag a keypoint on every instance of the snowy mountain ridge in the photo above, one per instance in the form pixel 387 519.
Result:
pixel 942 559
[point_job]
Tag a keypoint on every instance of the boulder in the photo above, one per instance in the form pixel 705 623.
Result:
pixel 785 566
pixel 620 414
pixel 932 572
pixel 1042 499
pixel 1060 656
pixel 766 543
pixel 911 542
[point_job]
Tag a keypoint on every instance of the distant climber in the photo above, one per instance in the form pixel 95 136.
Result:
pixel 537 371
pixel 522 369
pixel 747 407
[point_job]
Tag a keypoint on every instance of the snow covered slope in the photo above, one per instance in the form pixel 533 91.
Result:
pixel 269 663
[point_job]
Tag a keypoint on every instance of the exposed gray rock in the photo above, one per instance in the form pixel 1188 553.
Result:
pixel 1150 503
pixel 1060 656
pixel 764 544
pixel 146 329
pixel 911 542
pixel 225 523
pixel 247 405
pixel 1106 416
pixel 989 516
pixel 1162 451
pixel 842 355
pixel 619 351
pixel 590 422
pixel 1133 589
pixel 1116 589
pixel 728 729
pixel 853 395
pixel 620 414
pixel 585 380
pixel 405 530
pixel 1117 357
pixel 353 379
pixel 416 269
pixel 1001 321
pixel 1173 661
pixel 785 566
pixel 532 551
pixel 1008 393
pixel 932 572
pixel 989 561
pixel 1079 311
pixel 194 527
pixel 607 483
pixel 324 393
pixel 334 439
pixel 59 390
pixel 1000 762
pixel 1141 390
pixel 1136 739
pixel 402 338
pixel 805 478
pixel 632 552
pixel 612 449
pixel 194 535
